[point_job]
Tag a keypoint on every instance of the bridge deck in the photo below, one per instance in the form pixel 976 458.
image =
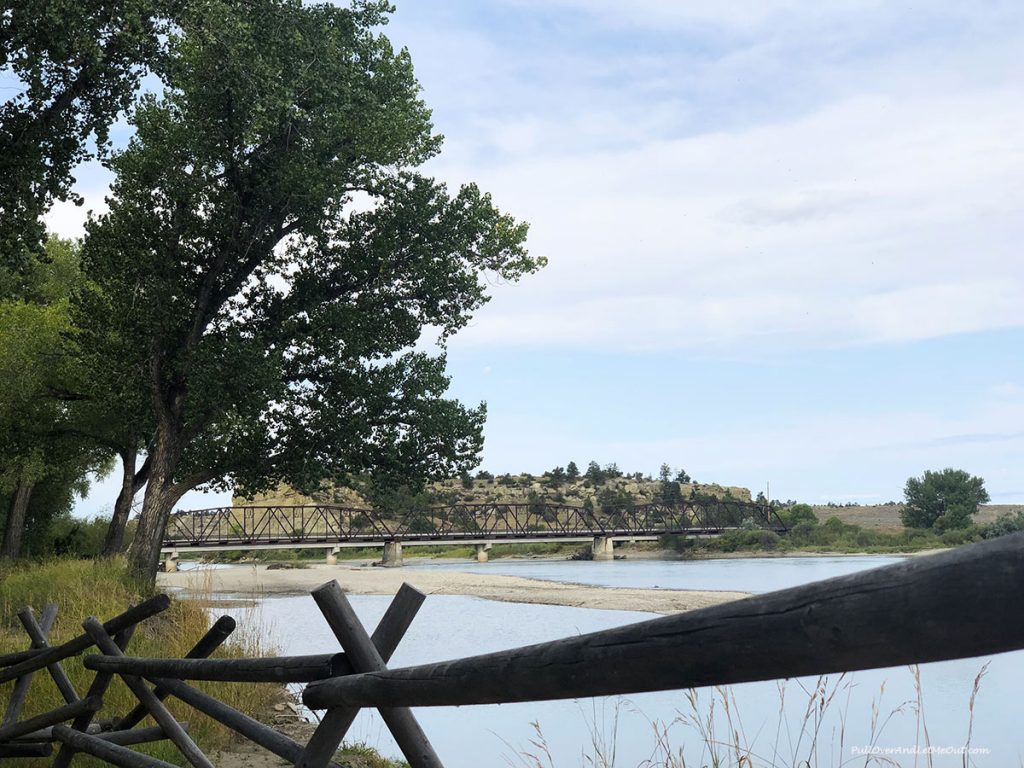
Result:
pixel 323 526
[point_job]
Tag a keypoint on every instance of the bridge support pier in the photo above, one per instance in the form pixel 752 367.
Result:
pixel 171 562
pixel 603 548
pixel 392 554
pixel 481 552
pixel 332 555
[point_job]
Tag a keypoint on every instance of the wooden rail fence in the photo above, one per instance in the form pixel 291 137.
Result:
pixel 961 603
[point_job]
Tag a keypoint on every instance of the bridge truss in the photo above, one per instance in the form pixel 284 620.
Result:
pixel 316 524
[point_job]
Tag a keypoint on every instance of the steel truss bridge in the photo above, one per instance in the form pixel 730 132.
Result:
pixel 327 526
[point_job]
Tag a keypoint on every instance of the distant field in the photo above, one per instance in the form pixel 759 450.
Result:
pixel 886 517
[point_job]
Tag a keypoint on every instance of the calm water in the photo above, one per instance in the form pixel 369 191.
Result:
pixel 451 626
pixel 741 574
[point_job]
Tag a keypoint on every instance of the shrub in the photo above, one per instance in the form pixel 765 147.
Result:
pixel 797 514
pixel 1003 525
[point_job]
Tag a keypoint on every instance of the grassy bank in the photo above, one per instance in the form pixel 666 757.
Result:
pixel 102 588
pixel 806 534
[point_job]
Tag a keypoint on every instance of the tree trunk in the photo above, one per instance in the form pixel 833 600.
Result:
pixel 131 482
pixel 160 497
pixel 11 547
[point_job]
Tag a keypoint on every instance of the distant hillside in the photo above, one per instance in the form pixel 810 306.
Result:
pixel 887 516
pixel 553 488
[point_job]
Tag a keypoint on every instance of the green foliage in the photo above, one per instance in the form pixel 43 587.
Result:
pixel 44 452
pixel 614 498
pixel 669 492
pixel 798 514
pixel 836 536
pixel 79 64
pixel 1005 524
pixel 272 255
pixel 942 500
pixel 556 477
pixel 572 472
pixel 595 474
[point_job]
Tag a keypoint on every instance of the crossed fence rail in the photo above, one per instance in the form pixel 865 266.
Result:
pixel 329 523
pixel 961 603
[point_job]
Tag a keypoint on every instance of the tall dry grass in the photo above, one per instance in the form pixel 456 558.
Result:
pixel 709 732
pixel 102 589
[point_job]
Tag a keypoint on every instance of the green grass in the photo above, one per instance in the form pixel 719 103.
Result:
pixel 102 588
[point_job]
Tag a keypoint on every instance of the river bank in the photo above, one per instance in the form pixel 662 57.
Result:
pixel 365 580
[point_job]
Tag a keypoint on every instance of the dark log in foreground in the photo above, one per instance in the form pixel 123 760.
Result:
pixel 74 647
pixel 280 669
pixel 112 753
pixel 17 657
pixel 124 738
pixel 38 636
pixel 208 643
pixel 335 724
pixel 46 719
pixel 17 700
pixel 98 688
pixel 46 734
pixel 137 735
pixel 258 733
pixel 142 692
pixel 956 604
pixel 364 657
pixel 26 750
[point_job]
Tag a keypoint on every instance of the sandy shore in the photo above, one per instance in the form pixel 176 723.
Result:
pixel 257 580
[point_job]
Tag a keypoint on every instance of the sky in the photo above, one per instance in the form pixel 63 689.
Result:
pixel 784 237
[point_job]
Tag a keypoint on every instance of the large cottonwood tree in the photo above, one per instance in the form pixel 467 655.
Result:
pixel 272 256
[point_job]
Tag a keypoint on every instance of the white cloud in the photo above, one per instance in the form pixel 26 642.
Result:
pixel 874 219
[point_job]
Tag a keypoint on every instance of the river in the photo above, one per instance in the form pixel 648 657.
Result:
pixel 771 719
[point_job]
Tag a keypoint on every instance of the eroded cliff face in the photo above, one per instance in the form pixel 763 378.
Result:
pixel 515 488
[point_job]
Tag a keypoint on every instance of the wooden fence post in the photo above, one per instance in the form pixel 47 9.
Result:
pixel 208 643
pixel 38 637
pixel 17 699
pixel 105 750
pixel 141 690
pixel 364 657
pixel 99 686
pixel 335 724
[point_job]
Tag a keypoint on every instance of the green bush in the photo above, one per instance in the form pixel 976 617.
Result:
pixel 959 536
pixel 1003 525
pixel 798 514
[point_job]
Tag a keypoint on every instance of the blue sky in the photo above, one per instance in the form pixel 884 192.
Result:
pixel 784 237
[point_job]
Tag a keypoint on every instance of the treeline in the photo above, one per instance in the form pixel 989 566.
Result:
pixel 246 311
pixel 601 480
pixel 594 475
pixel 806 533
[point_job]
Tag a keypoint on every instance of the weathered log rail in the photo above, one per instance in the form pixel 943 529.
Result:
pixel 956 604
